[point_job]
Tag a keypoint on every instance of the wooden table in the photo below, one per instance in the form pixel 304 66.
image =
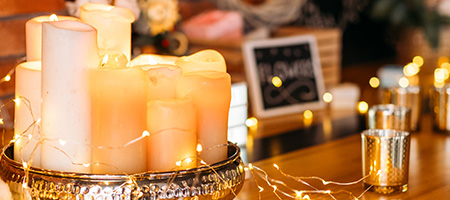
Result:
pixel 340 160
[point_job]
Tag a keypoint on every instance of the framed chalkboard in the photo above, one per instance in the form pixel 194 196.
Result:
pixel 284 75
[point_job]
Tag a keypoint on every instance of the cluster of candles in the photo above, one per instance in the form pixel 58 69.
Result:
pixel 82 107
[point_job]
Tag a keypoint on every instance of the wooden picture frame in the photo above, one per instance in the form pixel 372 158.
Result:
pixel 284 75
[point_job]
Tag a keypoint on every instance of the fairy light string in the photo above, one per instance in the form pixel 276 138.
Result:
pixel 278 187
pixel 274 185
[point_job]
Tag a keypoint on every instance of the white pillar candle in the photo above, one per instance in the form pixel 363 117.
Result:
pixel 113 25
pixel 211 92
pixel 69 50
pixel 163 80
pixel 119 116
pixel 206 60
pixel 33 34
pixel 27 111
pixel 153 59
pixel 172 141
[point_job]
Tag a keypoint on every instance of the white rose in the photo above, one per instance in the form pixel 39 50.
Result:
pixel 444 8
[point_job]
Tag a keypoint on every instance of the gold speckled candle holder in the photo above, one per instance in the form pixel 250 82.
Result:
pixel 385 160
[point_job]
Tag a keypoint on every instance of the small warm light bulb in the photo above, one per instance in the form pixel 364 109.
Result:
pixel 17 101
pixel 199 148
pixel 25 165
pixel 30 136
pixel 53 18
pixel 374 82
pixel 251 122
pixel 276 166
pixel 306 197
pixel 250 165
pixel 418 61
pixel 87 164
pixel 308 114
pixel 1 121
pixel 411 69
pixel 260 188
pixel 363 107
pixel 276 81
pixel 188 160
pixel 145 133
pixel 327 97
pixel 62 142
pixel 178 163
pixel 7 78
pixel 403 82
pixel 274 188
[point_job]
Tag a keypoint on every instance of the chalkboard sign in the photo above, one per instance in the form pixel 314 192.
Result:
pixel 284 75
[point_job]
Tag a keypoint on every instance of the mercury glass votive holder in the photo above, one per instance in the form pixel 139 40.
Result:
pixel 385 160
pixel 440 106
pixel 389 116
pixel 222 180
pixel 409 97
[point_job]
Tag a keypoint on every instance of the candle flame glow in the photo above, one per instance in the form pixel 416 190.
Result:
pixel 105 59
pixel 152 61
pixel 53 18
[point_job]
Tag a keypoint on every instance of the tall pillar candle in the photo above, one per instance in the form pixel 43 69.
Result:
pixel 119 116
pixel 33 34
pixel 172 141
pixel 163 80
pixel 69 50
pixel 211 92
pixel 27 111
pixel 206 60
pixel 113 25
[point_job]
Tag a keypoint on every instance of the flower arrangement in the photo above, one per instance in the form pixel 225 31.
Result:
pixel 161 15
pixel 431 15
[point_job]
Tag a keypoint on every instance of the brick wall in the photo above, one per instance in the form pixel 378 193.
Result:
pixel 13 16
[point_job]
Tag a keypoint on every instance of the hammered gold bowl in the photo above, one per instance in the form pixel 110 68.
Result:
pixel 221 180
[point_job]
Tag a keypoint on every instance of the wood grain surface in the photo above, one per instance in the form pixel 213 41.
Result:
pixel 340 160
